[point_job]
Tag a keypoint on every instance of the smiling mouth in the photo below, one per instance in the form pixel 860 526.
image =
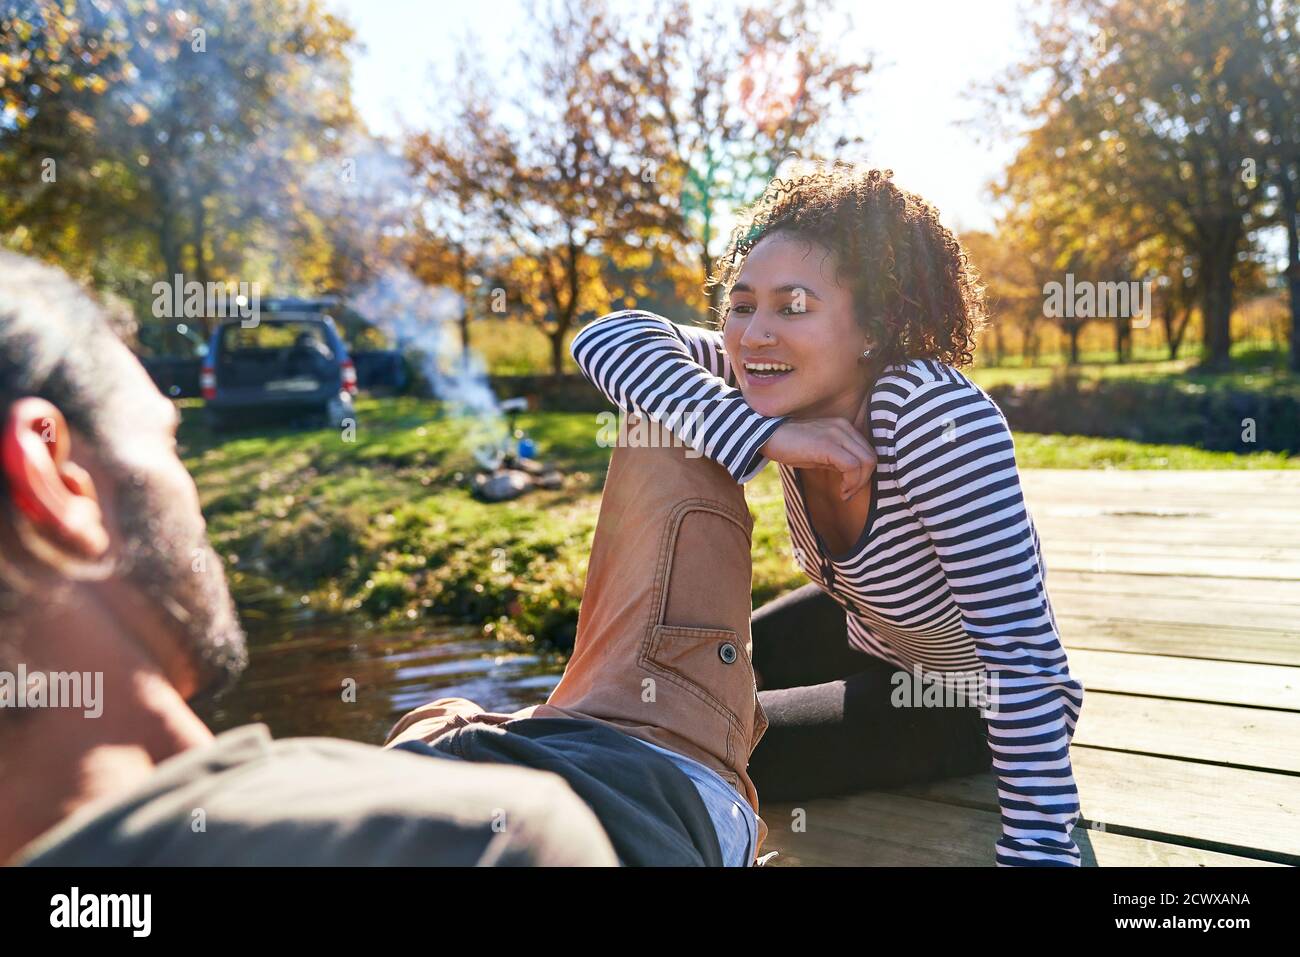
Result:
pixel 766 372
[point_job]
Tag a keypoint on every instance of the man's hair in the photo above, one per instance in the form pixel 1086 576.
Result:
pixel 913 288
pixel 56 344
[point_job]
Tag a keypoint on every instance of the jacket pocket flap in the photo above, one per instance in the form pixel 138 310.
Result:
pixel 712 663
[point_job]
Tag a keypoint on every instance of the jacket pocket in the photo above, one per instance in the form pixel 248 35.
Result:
pixel 709 699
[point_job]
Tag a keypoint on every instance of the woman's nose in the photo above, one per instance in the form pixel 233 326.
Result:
pixel 758 332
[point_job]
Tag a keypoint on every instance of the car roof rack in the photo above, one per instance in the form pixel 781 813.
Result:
pixel 294 304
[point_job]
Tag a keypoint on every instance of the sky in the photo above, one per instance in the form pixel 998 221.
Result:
pixel 931 54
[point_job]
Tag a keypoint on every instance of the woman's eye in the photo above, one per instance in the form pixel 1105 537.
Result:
pixel 743 308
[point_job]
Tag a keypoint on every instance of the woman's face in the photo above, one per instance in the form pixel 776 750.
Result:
pixel 788 310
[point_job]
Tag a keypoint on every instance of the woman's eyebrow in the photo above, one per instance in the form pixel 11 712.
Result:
pixel 788 287
pixel 795 287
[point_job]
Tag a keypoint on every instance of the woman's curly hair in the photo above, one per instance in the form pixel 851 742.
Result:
pixel 914 291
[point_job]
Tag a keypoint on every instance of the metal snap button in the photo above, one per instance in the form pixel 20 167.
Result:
pixel 728 652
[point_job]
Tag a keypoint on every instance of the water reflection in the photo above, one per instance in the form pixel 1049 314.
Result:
pixel 295 682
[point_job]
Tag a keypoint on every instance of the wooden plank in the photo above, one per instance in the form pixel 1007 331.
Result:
pixel 1064 552
pixel 1195 589
pixel 1219 490
pixel 1117 530
pixel 880 829
pixel 1259 645
pixel 1219 609
pixel 1223 734
pixel 1251 813
pixel 1178 595
pixel 1206 547
pixel 1223 682
pixel 1231 524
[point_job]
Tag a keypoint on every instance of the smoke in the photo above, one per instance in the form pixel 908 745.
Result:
pixel 240 111
pixel 422 322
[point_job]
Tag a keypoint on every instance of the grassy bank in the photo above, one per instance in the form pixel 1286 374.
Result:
pixel 1254 369
pixel 383 526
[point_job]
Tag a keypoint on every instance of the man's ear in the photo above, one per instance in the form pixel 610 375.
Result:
pixel 55 494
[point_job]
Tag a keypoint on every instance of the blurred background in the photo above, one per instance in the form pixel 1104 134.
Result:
pixel 460 187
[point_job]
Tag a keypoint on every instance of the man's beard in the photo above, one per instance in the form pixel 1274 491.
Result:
pixel 167 557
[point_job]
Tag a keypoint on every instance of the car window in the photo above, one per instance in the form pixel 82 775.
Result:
pixel 276 336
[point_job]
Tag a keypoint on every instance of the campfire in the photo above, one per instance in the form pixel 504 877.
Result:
pixel 508 467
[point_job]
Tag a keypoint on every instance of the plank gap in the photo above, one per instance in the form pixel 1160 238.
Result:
pixel 1184 759
pixel 1218 847
pixel 1167 697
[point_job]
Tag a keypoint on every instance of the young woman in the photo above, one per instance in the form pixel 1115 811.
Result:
pixel 848 310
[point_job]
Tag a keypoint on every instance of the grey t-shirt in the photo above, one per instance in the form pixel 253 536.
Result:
pixel 246 799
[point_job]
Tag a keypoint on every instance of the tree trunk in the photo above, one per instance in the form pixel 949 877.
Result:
pixel 202 268
pixel 1293 261
pixel 714 293
pixel 462 267
pixel 1029 343
pixel 557 350
pixel 1216 302
pixel 1181 330
pixel 1074 344
pixel 173 257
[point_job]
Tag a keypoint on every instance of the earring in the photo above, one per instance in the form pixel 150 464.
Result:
pixel 866 353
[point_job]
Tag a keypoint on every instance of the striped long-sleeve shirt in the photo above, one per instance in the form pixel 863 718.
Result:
pixel 947 579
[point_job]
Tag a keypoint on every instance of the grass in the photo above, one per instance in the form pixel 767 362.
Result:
pixel 384 527
pixel 1083 452
pixel 1255 369
pixel 515 347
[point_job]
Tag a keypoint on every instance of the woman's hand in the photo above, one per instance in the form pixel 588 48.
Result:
pixel 828 443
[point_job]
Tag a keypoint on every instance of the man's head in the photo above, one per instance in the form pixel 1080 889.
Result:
pixel 96 509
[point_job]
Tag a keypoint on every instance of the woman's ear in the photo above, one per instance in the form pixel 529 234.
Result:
pixel 55 494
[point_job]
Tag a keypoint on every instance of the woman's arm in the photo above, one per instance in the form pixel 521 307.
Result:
pixel 955 465
pixel 678 376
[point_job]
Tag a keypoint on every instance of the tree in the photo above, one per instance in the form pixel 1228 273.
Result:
pixel 1278 23
pixel 192 130
pixel 557 187
pixel 1156 105
pixel 1009 288
pixel 730 98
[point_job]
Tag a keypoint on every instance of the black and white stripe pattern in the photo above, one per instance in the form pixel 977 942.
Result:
pixel 678 377
pixel 948 576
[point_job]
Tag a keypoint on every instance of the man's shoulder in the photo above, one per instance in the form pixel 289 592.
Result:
pixel 315 801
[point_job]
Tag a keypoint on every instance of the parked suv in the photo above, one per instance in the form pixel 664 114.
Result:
pixel 291 363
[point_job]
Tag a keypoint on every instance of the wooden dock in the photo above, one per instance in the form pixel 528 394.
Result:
pixel 1178 598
